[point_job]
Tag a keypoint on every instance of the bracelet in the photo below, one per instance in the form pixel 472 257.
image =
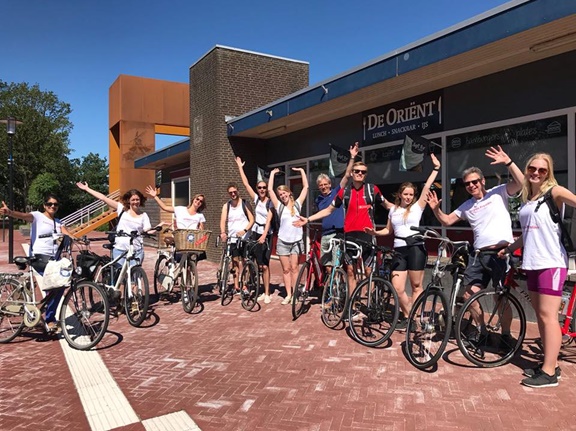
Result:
pixel 509 163
pixel 436 169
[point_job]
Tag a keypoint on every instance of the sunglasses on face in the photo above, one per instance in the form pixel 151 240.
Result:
pixel 534 169
pixel 233 192
pixel 262 187
pixel 199 200
pixel 52 204
pixel 359 171
pixel 473 182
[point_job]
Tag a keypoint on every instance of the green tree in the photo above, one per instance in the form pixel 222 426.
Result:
pixel 42 185
pixel 94 170
pixel 41 143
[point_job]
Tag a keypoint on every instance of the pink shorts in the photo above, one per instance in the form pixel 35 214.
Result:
pixel 546 281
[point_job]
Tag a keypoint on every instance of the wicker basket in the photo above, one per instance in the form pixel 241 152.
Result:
pixel 191 239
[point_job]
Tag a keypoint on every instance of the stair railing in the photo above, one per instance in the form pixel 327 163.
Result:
pixel 87 213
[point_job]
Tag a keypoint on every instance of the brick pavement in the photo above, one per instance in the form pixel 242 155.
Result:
pixel 234 370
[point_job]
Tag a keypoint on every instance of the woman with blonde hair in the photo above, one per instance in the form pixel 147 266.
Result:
pixel 544 261
pixel 411 256
pixel 289 244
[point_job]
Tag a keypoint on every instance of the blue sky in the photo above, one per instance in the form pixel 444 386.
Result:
pixel 78 48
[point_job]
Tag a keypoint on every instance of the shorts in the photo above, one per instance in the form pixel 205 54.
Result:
pixel 262 251
pixel 476 275
pixel 547 281
pixel 327 258
pixel 235 251
pixel 367 252
pixel 288 248
pixel 410 258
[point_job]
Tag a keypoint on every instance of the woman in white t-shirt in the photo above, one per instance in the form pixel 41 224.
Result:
pixel 544 261
pixel 130 218
pixel 410 259
pixel 190 217
pixel 43 249
pixel 289 244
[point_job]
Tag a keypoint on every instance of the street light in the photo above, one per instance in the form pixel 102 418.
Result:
pixel 11 123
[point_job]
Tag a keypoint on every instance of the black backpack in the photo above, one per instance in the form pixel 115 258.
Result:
pixel 567 224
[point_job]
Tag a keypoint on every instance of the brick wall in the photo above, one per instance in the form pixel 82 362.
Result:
pixel 231 82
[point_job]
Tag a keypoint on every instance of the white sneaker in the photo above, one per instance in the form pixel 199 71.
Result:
pixel 261 297
pixel 286 300
pixel 267 299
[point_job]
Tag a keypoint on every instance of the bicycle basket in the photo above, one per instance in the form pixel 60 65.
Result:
pixel 191 239
pixel 88 261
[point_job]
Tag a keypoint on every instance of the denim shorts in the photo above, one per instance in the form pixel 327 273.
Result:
pixel 288 248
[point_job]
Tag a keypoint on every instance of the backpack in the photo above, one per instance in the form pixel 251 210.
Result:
pixel 275 223
pixel 567 226
pixel 368 197
pixel 279 213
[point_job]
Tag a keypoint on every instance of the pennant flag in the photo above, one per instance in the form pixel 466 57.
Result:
pixel 263 174
pixel 413 151
pixel 338 161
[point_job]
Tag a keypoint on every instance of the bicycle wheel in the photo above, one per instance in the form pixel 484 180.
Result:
pixel 136 296
pixel 302 287
pixel 490 328
pixel 11 309
pixel 84 315
pixel 162 279
pixel 249 285
pixel 428 331
pixel 373 317
pixel 189 286
pixel 226 283
pixel 335 298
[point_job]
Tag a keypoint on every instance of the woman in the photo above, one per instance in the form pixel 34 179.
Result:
pixel 410 258
pixel 130 218
pixel 289 244
pixel 544 261
pixel 44 249
pixel 261 230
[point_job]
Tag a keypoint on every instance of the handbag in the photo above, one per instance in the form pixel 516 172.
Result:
pixel 57 274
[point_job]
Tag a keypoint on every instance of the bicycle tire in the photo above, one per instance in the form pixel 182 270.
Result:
pixel 335 299
pixel 490 347
pixel 373 321
pixel 136 296
pixel 250 278
pixel 84 315
pixel 189 286
pixel 428 330
pixel 302 287
pixel 11 309
pixel 226 288
pixel 161 272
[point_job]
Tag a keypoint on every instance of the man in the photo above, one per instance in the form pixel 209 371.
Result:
pixel 359 213
pixel 236 221
pixel 332 224
pixel 487 213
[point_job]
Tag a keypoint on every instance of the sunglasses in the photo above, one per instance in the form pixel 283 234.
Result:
pixel 534 169
pixel 52 204
pixel 473 182
pixel 262 187
pixel 359 171
pixel 233 192
pixel 199 200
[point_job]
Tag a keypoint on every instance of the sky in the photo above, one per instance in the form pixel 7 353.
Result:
pixel 77 48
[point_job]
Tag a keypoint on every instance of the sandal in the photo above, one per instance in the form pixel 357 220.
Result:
pixel 51 327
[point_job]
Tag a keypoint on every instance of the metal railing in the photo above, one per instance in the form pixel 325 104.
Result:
pixel 84 215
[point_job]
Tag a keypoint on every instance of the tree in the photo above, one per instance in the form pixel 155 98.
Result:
pixel 41 143
pixel 93 170
pixel 41 186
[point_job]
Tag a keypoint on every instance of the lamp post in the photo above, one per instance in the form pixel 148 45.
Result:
pixel 11 123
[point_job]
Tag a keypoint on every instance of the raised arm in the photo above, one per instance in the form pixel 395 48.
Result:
pixel 354 150
pixel 247 186
pixel 16 214
pixel 110 202
pixel 304 192
pixel 429 181
pixel 443 218
pixel 151 191
pixel 562 195
pixel 271 191
pixel 499 157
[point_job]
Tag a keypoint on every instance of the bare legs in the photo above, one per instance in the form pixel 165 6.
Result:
pixel 546 308
pixel 289 272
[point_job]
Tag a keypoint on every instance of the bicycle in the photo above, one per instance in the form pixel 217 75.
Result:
pixel 491 325
pixel 375 301
pixel 250 276
pixel 311 276
pixel 174 268
pixel 431 317
pixel 133 278
pixel 84 312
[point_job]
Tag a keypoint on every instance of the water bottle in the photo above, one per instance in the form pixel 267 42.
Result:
pixel 564 303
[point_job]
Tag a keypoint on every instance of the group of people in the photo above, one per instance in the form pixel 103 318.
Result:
pixel 349 209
